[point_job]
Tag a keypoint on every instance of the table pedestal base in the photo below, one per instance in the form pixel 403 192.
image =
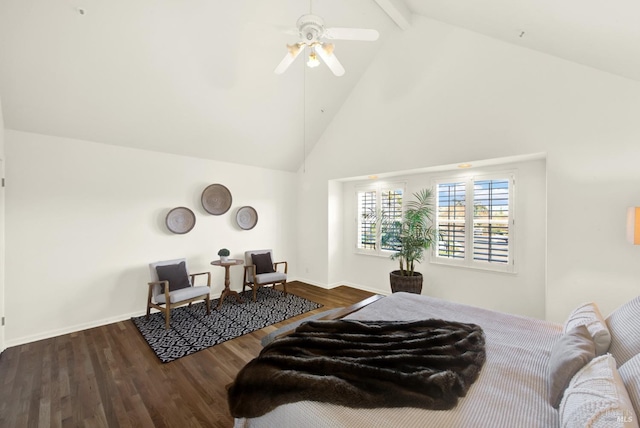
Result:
pixel 227 292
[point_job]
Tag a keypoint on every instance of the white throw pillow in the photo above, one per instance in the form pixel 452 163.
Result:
pixel 596 397
pixel 624 326
pixel 630 374
pixel 589 315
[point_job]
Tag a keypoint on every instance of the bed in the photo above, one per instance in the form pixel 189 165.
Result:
pixel 524 357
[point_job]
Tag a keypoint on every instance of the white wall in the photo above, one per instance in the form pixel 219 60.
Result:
pixel 85 219
pixel 522 292
pixel 2 262
pixel 449 95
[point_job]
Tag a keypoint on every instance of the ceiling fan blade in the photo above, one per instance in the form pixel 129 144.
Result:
pixel 294 51
pixel 326 53
pixel 289 31
pixel 364 34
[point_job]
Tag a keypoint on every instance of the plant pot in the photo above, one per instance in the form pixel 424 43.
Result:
pixel 407 283
pixel 224 259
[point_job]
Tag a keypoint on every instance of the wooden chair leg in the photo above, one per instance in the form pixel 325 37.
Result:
pixel 167 317
pixel 255 291
pixel 284 287
pixel 149 303
pixel 208 300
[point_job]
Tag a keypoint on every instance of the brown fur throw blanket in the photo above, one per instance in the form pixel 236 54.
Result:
pixel 363 364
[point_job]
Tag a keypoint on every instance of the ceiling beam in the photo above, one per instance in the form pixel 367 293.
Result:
pixel 397 11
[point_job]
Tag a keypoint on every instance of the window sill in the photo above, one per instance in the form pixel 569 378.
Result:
pixel 385 255
pixel 508 271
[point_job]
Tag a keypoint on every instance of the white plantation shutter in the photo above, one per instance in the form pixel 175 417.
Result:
pixel 474 218
pixel 366 225
pixel 391 206
pixel 491 221
pixel 375 201
pixel 451 208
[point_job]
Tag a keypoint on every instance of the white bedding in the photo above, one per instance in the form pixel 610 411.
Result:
pixel 512 390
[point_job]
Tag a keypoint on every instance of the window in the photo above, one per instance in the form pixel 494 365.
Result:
pixel 379 208
pixel 475 218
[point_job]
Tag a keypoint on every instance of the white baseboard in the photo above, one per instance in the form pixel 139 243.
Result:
pixel 309 281
pixel 366 288
pixel 71 329
pixel 348 284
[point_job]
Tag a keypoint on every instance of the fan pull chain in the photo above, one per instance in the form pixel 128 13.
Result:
pixel 304 119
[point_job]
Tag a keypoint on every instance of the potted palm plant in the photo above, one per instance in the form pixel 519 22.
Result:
pixel 411 237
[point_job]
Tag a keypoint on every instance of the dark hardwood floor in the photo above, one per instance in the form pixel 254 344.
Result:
pixel 109 377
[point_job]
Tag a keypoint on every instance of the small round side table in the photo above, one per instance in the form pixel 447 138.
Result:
pixel 227 291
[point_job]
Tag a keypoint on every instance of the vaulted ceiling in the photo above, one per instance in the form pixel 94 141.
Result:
pixel 195 77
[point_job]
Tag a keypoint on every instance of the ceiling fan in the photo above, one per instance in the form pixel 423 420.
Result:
pixel 313 35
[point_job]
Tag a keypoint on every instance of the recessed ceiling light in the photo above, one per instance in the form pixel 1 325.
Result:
pixel 464 165
pixel 372 177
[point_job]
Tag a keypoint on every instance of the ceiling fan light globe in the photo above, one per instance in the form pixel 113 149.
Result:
pixel 313 60
pixel 293 49
pixel 328 48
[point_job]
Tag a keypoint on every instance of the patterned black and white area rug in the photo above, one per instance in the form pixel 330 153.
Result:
pixel 192 330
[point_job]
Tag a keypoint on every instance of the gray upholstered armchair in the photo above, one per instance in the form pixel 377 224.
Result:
pixel 172 286
pixel 260 270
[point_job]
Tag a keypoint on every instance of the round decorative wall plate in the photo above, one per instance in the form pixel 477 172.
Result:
pixel 247 217
pixel 180 220
pixel 216 199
